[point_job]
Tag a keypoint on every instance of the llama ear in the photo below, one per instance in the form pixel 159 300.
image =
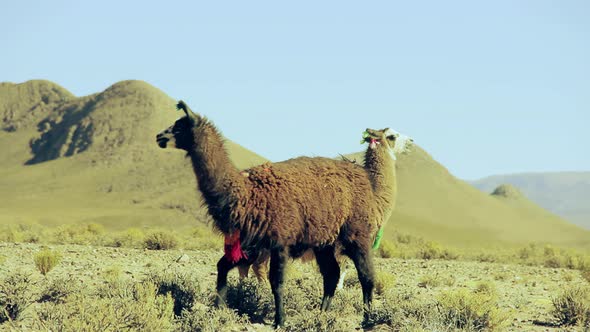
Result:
pixel 182 106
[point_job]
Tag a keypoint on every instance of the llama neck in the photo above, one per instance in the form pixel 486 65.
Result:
pixel 380 166
pixel 218 179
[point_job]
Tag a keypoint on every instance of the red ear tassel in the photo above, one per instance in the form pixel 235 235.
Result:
pixel 233 248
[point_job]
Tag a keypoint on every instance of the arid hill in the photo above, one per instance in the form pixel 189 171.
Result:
pixel 94 158
pixel 564 193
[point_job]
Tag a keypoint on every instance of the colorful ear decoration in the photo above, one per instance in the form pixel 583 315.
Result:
pixel 365 135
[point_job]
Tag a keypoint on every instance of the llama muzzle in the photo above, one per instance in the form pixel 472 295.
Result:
pixel 162 141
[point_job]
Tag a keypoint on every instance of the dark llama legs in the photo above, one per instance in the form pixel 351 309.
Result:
pixel 278 260
pixel 223 267
pixel 363 261
pixel 330 272
pixel 329 268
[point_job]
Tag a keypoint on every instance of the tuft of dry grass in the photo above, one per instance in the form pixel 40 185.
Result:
pixel 487 288
pixel 130 238
pixel 436 280
pixel 470 310
pixel 384 281
pixel 210 319
pixel 58 290
pixel 160 240
pixel 247 298
pixel 184 289
pixel 17 292
pixel 572 306
pixel 138 308
pixel 387 249
pixel 45 260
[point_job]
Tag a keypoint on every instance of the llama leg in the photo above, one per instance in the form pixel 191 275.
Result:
pixel 363 261
pixel 276 276
pixel 260 271
pixel 341 280
pixel 223 268
pixel 330 272
pixel 243 270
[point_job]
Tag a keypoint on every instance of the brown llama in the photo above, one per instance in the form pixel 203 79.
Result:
pixel 374 167
pixel 282 207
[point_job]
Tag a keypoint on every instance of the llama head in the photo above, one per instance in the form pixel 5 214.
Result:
pixel 392 141
pixel 180 134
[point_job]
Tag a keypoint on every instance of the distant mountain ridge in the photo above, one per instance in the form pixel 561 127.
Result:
pixel 94 159
pixel 566 194
pixel 22 104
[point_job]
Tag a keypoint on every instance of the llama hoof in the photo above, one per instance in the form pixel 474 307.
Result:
pixel 278 325
pixel 219 302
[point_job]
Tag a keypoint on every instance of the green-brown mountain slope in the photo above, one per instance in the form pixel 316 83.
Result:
pixel 94 158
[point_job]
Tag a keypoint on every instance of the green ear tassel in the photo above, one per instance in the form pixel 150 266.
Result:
pixel 365 135
pixel 378 239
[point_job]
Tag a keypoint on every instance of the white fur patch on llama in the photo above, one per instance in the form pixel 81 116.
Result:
pixel 402 143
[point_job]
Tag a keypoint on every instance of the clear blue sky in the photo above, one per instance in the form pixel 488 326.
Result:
pixel 485 87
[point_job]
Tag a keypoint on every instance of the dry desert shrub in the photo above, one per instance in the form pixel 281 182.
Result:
pixel 85 234
pixel 247 297
pixel 384 281
pixel 387 249
pixel 26 232
pixel 450 311
pixel 487 288
pixel 436 280
pixel 141 309
pixel 470 311
pixel 326 321
pixel 184 289
pixel 45 260
pixel 572 306
pixel 205 318
pixel 129 238
pixel 160 240
pixel 433 250
pixel 202 238
pixel 17 293
pixel 405 311
pixel 59 289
